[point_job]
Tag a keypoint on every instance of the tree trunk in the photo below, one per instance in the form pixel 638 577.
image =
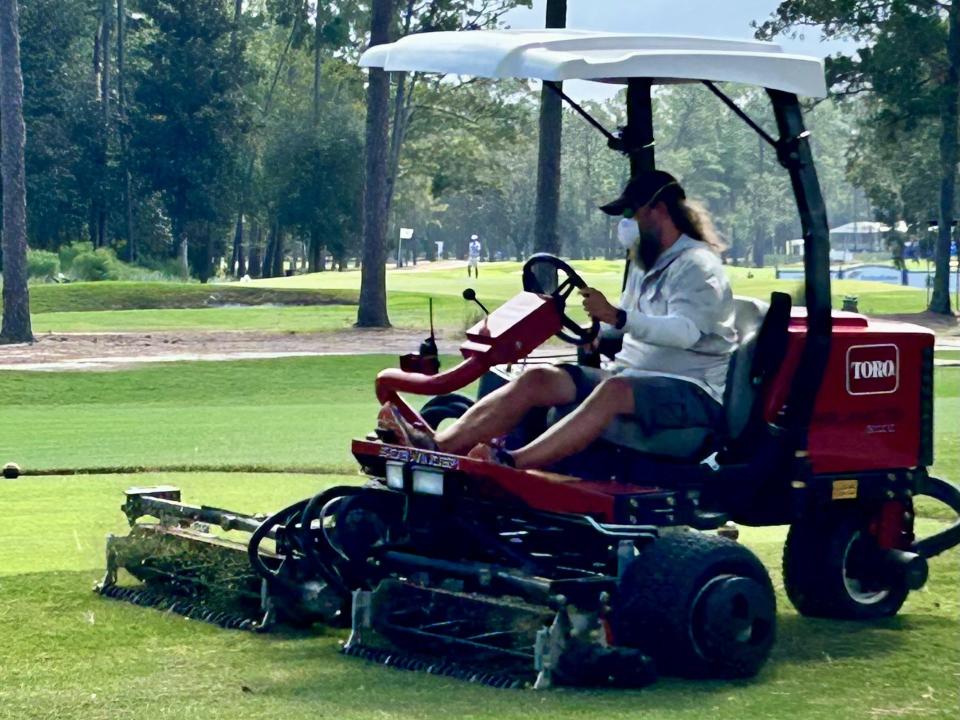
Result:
pixel 236 257
pixel 106 25
pixel 255 267
pixel 205 268
pixel 940 298
pixel 317 66
pixel 373 281
pixel 124 144
pixel 402 107
pixel 278 241
pixel 16 295
pixel 267 266
pixel 184 255
pixel 548 162
pixel 316 251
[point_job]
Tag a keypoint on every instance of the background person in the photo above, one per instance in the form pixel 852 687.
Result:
pixel 473 256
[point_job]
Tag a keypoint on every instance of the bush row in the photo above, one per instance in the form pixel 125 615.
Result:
pixel 80 261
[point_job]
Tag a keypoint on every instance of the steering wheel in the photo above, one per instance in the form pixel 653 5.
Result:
pixel 581 335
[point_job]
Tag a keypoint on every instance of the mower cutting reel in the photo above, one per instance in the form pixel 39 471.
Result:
pixel 178 563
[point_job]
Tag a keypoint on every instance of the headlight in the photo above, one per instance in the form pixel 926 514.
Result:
pixel 395 475
pixel 427 482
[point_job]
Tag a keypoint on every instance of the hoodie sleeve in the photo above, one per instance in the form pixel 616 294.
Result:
pixel 694 292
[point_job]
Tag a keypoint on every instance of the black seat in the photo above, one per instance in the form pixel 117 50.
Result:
pixel 749 375
pixel 761 328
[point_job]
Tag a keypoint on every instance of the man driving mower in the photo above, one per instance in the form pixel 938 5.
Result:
pixel 676 319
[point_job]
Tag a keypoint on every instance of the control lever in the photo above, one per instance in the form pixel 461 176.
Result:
pixel 427 361
pixel 470 295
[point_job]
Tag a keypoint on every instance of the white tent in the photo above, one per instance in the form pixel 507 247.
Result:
pixel 558 55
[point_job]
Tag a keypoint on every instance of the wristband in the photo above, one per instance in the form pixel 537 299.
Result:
pixel 621 319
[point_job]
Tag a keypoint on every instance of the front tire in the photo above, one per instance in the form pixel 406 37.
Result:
pixel 700 605
pixel 823 562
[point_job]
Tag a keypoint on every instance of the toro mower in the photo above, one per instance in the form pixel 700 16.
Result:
pixel 605 569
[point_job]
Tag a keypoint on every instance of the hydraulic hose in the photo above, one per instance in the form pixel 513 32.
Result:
pixel 949 495
pixel 282 517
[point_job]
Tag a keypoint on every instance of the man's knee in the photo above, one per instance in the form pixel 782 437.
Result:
pixel 546 385
pixel 616 393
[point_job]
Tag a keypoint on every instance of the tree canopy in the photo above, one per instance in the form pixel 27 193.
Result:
pixel 235 130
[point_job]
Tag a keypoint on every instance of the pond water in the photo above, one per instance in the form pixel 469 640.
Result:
pixel 876 273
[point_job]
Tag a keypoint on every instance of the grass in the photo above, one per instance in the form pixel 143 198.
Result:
pixel 266 319
pixel 70 654
pixel 499 281
pixel 290 412
pixel 105 307
pixel 100 296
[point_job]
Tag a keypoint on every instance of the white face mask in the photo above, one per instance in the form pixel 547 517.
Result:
pixel 628 233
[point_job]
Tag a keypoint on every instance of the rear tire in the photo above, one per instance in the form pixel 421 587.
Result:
pixel 700 605
pixel 819 569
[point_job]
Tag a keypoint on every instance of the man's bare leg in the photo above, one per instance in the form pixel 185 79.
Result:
pixel 500 411
pixel 577 430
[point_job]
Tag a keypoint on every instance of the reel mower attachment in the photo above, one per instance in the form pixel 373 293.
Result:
pixel 464 635
pixel 178 563
pixel 181 566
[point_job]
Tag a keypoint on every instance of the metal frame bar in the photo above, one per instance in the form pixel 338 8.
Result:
pixel 580 111
pixel 741 114
pixel 795 155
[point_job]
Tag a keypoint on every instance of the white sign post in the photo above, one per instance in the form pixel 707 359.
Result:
pixel 405 234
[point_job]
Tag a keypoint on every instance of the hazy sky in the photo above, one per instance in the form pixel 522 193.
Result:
pixel 712 18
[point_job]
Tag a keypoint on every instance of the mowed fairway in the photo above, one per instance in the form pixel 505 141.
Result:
pixel 69 654
pixel 110 307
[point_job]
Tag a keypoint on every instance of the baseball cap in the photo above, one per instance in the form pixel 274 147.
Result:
pixel 641 190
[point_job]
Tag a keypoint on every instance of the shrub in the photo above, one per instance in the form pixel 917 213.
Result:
pixel 42 265
pixel 69 252
pixel 99 264
pixel 154 269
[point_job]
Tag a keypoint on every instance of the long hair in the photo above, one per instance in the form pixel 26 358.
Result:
pixel 692 218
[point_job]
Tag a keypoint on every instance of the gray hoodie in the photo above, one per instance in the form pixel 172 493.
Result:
pixel 680 318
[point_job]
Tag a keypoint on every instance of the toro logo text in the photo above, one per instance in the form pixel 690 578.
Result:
pixel 873 369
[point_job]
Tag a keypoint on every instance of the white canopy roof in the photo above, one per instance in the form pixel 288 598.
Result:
pixel 605 57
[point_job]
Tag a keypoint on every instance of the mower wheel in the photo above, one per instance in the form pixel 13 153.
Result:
pixel 700 605
pixel 445 407
pixel 820 569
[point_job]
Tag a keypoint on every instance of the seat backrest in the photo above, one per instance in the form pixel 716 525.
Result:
pixel 739 395
pixel 756 361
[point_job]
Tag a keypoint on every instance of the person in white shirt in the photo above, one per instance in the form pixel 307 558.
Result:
pixel 676 316
pixel 473 256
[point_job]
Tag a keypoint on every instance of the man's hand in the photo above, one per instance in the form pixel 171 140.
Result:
pixel 597 307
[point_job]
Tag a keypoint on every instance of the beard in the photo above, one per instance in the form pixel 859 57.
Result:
pixel 648 249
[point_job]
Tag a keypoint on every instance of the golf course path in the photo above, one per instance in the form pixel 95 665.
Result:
pixel 110 351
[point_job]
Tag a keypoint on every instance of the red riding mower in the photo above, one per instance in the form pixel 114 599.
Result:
pixel 602 570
